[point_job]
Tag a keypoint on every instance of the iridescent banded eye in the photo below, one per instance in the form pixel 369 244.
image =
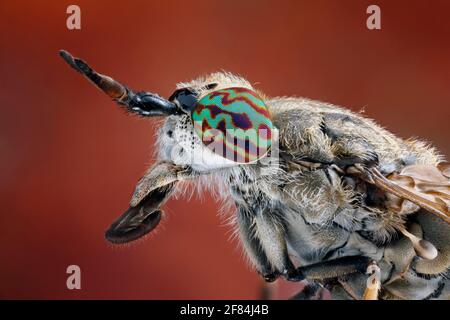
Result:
pixel 234 123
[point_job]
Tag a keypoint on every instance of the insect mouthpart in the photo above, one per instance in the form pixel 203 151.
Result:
pixel 139 219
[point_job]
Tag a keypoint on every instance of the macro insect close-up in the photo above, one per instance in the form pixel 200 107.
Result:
pixel 220 159
pixel 320 193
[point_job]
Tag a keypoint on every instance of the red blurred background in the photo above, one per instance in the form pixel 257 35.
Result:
pixel 69 158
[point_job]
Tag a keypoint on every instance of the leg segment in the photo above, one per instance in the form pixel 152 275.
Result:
pixel 271 234
pixel 334 268
pixel 312 291
pixel 264 241
pixel 373 282
pixel 252 245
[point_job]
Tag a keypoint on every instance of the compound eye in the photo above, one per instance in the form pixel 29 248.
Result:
pixel 234 123
pixel 185 98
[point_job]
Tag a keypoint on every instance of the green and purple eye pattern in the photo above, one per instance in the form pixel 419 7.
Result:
pixel 234 123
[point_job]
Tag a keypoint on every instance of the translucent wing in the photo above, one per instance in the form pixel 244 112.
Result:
pixel 426 186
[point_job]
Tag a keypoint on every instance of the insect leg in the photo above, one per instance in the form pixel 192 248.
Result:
pixel 334 268
pixel 373 284
pixel 312 291
pixel 252 245
pixel 263 233
pixel 270 231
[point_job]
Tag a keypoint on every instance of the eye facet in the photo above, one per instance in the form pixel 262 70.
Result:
pixel 185 98
pixel 234 123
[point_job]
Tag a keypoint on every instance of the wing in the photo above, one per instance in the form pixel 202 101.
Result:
pixel 426 186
